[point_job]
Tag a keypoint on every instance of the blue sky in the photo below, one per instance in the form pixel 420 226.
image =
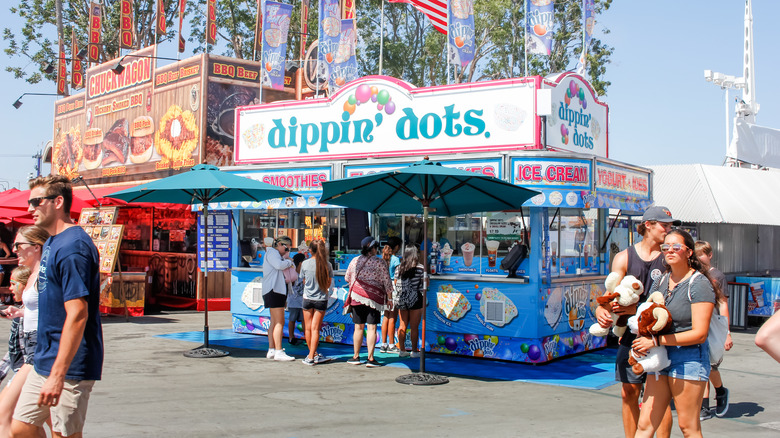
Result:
pixel 661 109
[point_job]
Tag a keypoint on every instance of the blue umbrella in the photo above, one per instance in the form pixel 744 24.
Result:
pixel 203 184
pixel 425 186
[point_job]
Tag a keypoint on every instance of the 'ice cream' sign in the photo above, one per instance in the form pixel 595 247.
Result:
pixel 386 117
pixel 578 121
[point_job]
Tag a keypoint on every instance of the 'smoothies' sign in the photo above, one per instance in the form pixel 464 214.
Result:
pixel 381 116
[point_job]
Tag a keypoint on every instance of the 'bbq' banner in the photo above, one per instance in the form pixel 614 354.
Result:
pixel 539 23
pixel 182 5
pixel 77 75
pixel 62 72
pixel 126 31
pixel 211 25
pixel 95 18
pixel 160 26
pixel 461 32
pixel 277 23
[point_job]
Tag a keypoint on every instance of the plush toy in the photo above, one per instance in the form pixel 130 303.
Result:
pixel 624 291
pixel 652 318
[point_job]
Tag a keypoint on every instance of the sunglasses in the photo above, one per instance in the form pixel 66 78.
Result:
pixel 676 247
pixel 36 202
pixel 18 244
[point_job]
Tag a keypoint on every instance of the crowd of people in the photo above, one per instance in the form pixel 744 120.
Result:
pixel 383 289
pixel 55 347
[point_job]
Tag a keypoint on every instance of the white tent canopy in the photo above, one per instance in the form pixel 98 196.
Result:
pixel 713 194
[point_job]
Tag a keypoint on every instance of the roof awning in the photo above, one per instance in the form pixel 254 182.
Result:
pixel 713 194
pixel 101 195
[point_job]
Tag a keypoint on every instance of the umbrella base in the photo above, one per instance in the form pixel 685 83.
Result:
pixel 202 352
pixel 421 379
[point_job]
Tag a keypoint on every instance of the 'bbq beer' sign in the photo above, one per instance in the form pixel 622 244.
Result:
pixel 578 122
pixel 380 116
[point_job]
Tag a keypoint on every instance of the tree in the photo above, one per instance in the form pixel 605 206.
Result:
pixel 37 41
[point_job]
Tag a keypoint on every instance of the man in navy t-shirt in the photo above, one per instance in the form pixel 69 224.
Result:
pixel 69 354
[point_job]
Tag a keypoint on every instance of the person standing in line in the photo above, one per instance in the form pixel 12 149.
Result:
pixel 69 353
pixel 295 301
pixel 410 284
pixel 704 253
pixel 644 261
pixel 391 315
pixel 317 274
pixel 690 298
pixel 275 294
pixel 28 245
pixel 13 359
pixel 370 290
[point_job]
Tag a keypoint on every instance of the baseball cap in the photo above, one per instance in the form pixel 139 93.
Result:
pixel 368 242
pixel 659 214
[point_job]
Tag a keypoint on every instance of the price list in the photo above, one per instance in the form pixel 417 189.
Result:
pixel 219 238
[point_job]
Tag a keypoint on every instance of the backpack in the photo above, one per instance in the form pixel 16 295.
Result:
pixel 511 262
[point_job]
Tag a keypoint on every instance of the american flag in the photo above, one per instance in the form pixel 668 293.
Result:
pixel 435 10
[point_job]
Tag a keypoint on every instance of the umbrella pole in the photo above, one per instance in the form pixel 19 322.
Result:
pixel 421 377
pixel 205 350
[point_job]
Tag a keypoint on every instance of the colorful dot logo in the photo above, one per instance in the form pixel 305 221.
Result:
pixel 363 94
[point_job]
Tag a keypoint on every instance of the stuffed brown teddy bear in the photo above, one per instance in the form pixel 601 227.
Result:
pixel 652 319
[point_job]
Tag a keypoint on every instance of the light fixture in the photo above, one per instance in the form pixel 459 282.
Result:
pixel 118 68
pixel 82 53
pixel 48 68
pixel 18 102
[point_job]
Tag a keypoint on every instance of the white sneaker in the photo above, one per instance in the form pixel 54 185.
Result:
pixel 270 354
pixel 415 354
pixel 281 356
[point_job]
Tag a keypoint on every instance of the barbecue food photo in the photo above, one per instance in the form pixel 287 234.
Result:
pixel 67 152
pixel 93 148
pixel 142 139
pixel 116 143
pixel 177 136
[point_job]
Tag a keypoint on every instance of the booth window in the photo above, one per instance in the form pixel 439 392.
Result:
pixel 573 242
pixel 299 224
pixel 138 228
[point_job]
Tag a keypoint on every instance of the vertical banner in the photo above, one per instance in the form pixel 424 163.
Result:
pixel 160 27
pixel 259 28
pixel 461 32
pixel 77 74
pixel 588 21
pixel 344 63
pixel 330 31
pixel 277 23
pixel 182 5
pixel 304 26
pixel 211 25
pixel 62 72
pixel 347 9
pixel 126 31
pixel 95 18
pixel 538 34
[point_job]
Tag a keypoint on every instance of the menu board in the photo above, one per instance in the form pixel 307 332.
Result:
pixel 220 234
pixel 99 224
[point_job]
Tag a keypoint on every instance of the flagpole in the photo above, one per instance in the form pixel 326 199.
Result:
pixel 262 26
pixel 447 48
pixel 381 36
pixel 525 37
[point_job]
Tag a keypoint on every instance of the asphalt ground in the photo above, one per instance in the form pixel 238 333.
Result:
pixel 150 389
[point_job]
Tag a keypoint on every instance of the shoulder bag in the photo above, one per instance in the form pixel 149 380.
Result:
pixel 347 306
pixel 719 329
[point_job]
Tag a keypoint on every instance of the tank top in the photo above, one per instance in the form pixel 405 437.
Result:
pixel 647 273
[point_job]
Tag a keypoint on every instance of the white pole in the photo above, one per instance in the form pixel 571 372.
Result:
pixel 525 37
pixel 381 37
pixel 727 121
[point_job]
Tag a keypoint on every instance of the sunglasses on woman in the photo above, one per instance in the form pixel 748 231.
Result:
pixel 18 244
pixel 676 247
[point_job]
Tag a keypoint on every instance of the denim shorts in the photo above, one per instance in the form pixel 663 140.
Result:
pixel 688 363
pixel 29 341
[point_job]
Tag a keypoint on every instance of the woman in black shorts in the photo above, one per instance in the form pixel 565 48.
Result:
pixel 410 273
pixel 276 260
pixel 317 275
pixel 370 290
